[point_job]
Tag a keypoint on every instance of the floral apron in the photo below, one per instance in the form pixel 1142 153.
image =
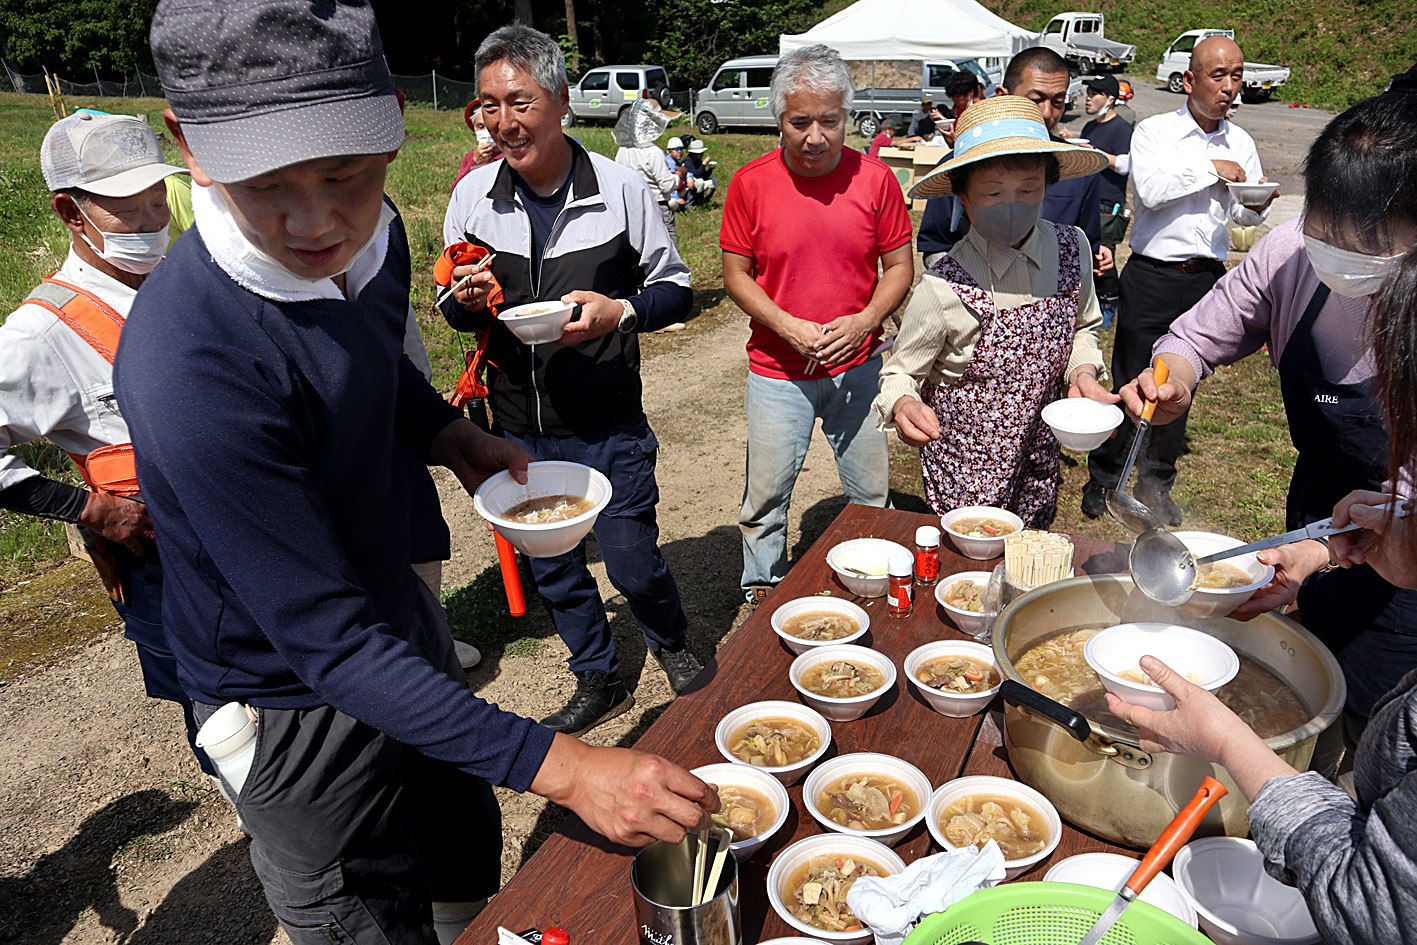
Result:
pixel 994 448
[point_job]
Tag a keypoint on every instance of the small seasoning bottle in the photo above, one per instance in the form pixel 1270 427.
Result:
pixel 555 936
pixel 927 555
pixel 898 597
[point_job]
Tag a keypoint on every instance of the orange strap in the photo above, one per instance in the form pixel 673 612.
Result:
pixel 470 383
pixel 107 469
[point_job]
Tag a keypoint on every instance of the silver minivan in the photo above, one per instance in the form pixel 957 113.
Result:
pixel 737 96
pixel 604 91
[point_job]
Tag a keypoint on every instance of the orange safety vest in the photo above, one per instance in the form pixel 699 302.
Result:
pixel 107 469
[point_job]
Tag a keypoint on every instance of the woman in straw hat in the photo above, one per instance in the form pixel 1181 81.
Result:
pixel 998 324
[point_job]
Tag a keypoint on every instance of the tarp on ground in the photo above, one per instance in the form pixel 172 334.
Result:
pixel 914 29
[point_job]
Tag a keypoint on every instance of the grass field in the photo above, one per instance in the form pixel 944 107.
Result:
pixel 1233 480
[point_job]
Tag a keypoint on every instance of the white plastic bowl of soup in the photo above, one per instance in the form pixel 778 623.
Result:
pixel 971 811
pixel 781 738
pixel 753 805
pixel 1224 585
pixel 860 564
pixel 1080 423
pixel 537 323
pixel 842 682
pixel 827 861
pixel 978 531
pixel 866 794
pixel 551 513
pixel 1111 871
pixel 957 678
pixel 960 594
pixel 1238 902
pixel 809 623
pixel 1115 656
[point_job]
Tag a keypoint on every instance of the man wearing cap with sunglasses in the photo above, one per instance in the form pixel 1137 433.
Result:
pixel 270 402
pixel 106 175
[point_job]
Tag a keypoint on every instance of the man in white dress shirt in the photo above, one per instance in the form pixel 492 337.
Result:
pixel 106 174
pixel 1180 162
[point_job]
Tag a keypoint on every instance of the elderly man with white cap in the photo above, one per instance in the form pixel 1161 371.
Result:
pixel 105 174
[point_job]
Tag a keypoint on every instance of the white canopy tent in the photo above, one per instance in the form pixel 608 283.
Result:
pixel 914 29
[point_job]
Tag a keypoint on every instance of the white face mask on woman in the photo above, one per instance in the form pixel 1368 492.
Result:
pixel 1355 275
pixel 137 253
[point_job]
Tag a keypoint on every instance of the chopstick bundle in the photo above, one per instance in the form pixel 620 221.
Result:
pixel 1033 558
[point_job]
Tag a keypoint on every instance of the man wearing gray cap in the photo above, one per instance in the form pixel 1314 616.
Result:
pixel 263 373
pixel 106 175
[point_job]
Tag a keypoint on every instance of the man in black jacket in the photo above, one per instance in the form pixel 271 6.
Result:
pixel 567 224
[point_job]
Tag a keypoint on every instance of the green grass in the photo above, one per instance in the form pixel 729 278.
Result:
pixel 1340 53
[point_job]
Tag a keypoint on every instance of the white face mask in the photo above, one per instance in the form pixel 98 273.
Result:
pixel 484 137
pixel 137 253
pixel 1355 275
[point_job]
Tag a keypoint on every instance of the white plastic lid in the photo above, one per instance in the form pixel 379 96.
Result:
pixel 927 535
pixel 900 565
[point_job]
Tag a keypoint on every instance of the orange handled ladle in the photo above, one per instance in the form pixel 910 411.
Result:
pixel 1123 507
pixel 1176 835
pixel 511 577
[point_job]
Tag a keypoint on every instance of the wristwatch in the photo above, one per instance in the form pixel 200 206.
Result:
pixel 629 319
pixel 1332 565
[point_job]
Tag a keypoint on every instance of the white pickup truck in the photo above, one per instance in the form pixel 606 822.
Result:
pixel 1077 37
pixel 1260 81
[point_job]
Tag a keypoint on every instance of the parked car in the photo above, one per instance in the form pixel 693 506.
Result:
pixel 605 91
pixel 872 105
pixel 1077 37
pixel 1260 79
pixel 736 96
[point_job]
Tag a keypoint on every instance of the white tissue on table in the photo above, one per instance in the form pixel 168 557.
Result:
pixel 891 905
pixel 508 937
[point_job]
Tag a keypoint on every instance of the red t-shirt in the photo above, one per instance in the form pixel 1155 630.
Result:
pixel 881 140
pixel 814 242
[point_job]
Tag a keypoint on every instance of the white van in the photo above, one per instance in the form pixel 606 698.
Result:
pixel 737 96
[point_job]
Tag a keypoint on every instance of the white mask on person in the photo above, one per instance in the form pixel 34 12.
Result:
pixel 138 253
pixel 1004 224
pixel 1355 275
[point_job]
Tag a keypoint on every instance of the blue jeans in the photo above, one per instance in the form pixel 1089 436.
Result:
pixel 781 415
pixel 628 535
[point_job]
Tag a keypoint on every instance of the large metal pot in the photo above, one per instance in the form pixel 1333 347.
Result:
pixel 1097 775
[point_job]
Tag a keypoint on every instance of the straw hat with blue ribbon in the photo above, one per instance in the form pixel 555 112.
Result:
pixel 1006 124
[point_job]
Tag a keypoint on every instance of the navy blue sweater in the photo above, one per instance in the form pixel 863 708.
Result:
pixel 265 435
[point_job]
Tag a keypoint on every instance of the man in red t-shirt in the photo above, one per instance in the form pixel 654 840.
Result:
pixel 803 230
pixel 883 139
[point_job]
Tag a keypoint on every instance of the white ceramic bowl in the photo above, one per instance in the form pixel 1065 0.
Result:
pixel 1111 871
pixel 537 323
pixel 966 620
pixel 773 708
pixel 746 776
pixel 953 705
pixel 1224 879
pixel 1216 601
pixel 862 849
pixel 867 762
pixel 804 605
pixel 1080 423
pixel 1252 195
pixel 853 707
pixel 946 794
pixel 501 493
pixel 1117 649
pixel 981 549
pixel 866 554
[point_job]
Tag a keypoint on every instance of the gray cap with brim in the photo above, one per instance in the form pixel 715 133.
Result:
pixel 103 154
pixel 259 85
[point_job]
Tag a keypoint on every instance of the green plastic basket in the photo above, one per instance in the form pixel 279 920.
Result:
pixel 1048 914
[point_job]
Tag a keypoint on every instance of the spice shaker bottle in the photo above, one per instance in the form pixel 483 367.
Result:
pixel 900 569
pixel 927 555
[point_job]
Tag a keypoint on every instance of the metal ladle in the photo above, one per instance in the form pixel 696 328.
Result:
pixel 1123 507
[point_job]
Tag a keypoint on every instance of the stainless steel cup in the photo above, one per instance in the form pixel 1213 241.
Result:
pixel 662 876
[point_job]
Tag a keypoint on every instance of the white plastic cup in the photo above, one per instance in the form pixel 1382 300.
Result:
pixel 229 739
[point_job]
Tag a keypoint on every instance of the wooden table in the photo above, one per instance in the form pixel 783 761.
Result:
pixel 581 881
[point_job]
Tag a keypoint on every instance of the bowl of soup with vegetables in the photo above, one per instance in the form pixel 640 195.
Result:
pixel 550 513
pixel 537 323
pixel 809 623
pixel 843 683
pixel 782 738
pixel 956 678
pixel 866 794
pixel 810 880
pixel 1224 585
pixel 978 531
pixel 972 811
pixel 753 804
